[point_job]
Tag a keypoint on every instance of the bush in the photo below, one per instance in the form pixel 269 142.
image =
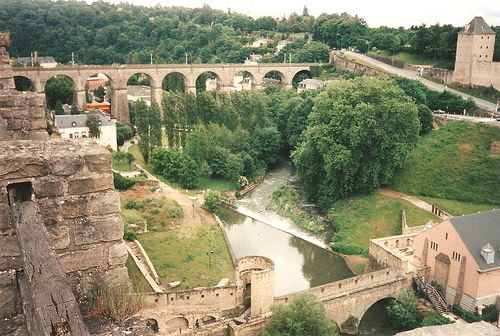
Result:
pixel 115 303
pixel 349 249
pixel 212 202
pixel 134 204
pixel 121 183
pixel 129 235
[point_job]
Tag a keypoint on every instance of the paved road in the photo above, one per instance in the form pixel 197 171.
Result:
pixel 413 75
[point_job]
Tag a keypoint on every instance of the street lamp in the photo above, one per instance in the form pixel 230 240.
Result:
pixel 209 254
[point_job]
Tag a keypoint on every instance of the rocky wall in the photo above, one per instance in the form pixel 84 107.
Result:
pixel 73 186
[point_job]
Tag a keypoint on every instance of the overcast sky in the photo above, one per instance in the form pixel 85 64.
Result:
pixel 391 13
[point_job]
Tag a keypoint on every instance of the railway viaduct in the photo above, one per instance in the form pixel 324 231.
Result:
pixel 119 74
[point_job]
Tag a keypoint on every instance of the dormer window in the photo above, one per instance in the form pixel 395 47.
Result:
pixel 73 123
pixel 488 253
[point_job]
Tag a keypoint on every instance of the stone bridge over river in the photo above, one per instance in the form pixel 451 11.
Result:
pixel 215 307
pixel 119 74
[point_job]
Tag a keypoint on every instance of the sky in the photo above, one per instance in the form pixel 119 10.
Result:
pixel 391 13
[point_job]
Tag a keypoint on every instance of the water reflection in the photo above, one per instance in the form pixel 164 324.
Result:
pixel 299 264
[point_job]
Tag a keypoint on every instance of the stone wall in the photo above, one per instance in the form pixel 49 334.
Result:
pixel 73 186
pixel 22 114
pixel 381 249
pixel 353 66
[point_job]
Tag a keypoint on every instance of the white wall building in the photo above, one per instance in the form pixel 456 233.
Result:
pixel 75 126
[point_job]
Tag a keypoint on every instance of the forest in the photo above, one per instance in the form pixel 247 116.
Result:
pixel 105 33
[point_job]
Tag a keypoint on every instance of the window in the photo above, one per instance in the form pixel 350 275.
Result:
pixel 446 235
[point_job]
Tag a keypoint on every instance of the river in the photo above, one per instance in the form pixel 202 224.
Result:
pixel 302 260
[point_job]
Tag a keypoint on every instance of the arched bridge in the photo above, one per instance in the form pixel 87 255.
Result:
pixel 354 296
pixel 119 74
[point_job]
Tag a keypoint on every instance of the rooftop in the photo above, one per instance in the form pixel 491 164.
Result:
pixel 478 230
pixel 477 27
pixel 79 120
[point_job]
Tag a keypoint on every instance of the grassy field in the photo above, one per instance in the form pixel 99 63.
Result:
pixel 122 166
pixel 454 163
pixel 457 208
pixel 180 255
pixel 135 275
pixel 364 217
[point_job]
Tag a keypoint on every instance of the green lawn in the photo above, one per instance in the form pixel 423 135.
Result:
pixel 454 163
pixel 180 255
pixel 457 208
pixel 122 166
pixel 365 217
pixel 139 282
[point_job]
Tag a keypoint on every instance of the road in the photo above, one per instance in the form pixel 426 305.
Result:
pixel 485 105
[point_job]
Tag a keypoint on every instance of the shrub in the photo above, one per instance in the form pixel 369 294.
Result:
pixel 134 204
pixel 212 202
pixel 129 235
pixel 121 183
pixel 349 249
pixel 112 302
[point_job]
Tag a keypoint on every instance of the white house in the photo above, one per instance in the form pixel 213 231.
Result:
pixel 75 126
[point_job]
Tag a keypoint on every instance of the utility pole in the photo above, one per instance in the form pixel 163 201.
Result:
pixel 151 58
pixel 73 58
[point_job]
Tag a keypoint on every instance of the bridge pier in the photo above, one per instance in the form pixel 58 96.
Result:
pixel 119 105
pixel 157 94
pixel 80 99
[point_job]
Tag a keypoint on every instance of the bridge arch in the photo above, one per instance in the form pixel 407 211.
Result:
pixel 54 86
pixel 174 81
pixel 176 323
pixel 210 81
pixel 23 83
pixel 375 313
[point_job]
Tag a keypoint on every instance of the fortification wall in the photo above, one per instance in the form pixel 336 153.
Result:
pixel 73 185
pixel 381 250
pixel 347 285
pixel 354 66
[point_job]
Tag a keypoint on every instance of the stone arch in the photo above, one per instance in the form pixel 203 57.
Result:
pixel 166 86
pixel 61 77
pixel 212 83
pixel 208 319
pixel 375 312
pixel 176 323
pixel 153 324
pixel 139 86
pixel 274 75
pixel 299 76
pixel 24 83
pixel 101 78
pixel 244 80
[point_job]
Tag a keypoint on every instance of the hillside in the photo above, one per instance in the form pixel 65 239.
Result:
pixel 454 163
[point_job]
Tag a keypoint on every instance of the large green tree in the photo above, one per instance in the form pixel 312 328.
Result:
pixel 93 124
pixel 360 132
pixel 142 124
pixel 303 316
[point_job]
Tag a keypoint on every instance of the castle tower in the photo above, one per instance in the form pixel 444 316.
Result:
pixel 474 50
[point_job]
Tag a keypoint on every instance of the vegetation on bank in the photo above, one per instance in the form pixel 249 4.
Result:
pixel 455 163
pixel 286 202
pixel 363 217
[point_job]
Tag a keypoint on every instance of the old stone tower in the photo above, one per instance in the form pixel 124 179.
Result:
pixel 474 56
pixel 59 217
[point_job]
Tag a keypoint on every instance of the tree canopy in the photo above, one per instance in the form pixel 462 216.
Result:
pixel 303 316
pixel 360 132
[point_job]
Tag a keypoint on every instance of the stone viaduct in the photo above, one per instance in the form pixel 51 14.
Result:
pixel 119 75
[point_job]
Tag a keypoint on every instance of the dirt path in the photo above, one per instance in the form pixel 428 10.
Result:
pixel 412 199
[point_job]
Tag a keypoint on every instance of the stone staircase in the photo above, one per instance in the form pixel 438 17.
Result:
pixel 433 295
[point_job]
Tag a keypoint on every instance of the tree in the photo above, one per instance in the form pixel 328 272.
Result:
pixel 360 132
pixel 212 201
pixel 155 129
pixel 59 109
pixel 93 123
pixel 99 93
pixel 142 124
pixel 303 316
pixel 403 312
pixel 189 175
pixel 58 88
pixel 74 109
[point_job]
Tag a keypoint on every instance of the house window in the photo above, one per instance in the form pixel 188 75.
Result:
pixel 446 237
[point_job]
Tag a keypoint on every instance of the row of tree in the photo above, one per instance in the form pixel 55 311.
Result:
pixel 104 33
